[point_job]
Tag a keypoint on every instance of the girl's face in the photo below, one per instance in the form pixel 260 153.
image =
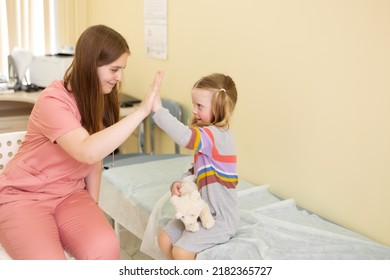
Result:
pixel 202 105
pixel 111 74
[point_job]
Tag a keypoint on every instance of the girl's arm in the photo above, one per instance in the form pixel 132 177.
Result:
pixel 93 148
pixel 179 132
pixel 92 181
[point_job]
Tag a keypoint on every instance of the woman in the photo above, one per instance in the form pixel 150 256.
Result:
pixel 49 190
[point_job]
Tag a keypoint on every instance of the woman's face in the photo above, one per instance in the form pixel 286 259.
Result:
pixel 111 74
pixel 202 105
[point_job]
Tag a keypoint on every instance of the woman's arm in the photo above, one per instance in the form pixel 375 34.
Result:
pixel 93 148
pixel 92 181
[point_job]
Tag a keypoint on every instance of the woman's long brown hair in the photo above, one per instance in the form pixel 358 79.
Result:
pixel 98 45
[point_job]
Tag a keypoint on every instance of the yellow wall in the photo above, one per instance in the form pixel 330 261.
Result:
pixel 313 116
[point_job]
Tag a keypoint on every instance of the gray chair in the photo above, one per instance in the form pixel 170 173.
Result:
pixel 9 145
pixel 175 109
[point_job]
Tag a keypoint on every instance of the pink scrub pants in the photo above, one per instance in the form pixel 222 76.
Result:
pixel 42 230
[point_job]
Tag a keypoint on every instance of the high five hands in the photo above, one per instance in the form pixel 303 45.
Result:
pixel 156 88
pixel 152 100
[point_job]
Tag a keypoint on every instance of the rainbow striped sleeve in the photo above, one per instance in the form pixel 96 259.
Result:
pixel 195 142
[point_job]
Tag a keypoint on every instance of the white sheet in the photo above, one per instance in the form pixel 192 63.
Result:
pixel 269 228
pixel 273 229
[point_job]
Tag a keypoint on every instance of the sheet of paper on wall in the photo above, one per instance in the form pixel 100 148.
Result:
pixel 155 28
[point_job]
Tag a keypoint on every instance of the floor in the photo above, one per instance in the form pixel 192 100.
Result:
pixel 130 245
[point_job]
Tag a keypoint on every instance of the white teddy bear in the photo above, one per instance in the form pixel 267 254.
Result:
pixel 189 206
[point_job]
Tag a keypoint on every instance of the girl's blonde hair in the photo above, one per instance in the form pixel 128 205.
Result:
pixel 98 45
pixel 224 99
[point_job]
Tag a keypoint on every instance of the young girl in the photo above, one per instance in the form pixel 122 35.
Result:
pixel 214 98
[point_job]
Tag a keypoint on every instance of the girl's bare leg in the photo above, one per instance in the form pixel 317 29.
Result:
pixel 165 244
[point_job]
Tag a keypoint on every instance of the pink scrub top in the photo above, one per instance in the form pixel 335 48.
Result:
pixel 41 169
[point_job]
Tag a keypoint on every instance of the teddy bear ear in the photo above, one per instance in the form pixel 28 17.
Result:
pixel 174 199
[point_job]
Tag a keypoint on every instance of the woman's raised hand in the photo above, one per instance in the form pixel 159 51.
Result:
pixel 152 99
pixel 157 98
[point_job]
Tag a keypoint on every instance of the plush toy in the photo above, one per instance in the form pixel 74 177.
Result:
pixel 190 206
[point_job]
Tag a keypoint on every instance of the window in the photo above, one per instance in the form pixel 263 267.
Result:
pixel 28 24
